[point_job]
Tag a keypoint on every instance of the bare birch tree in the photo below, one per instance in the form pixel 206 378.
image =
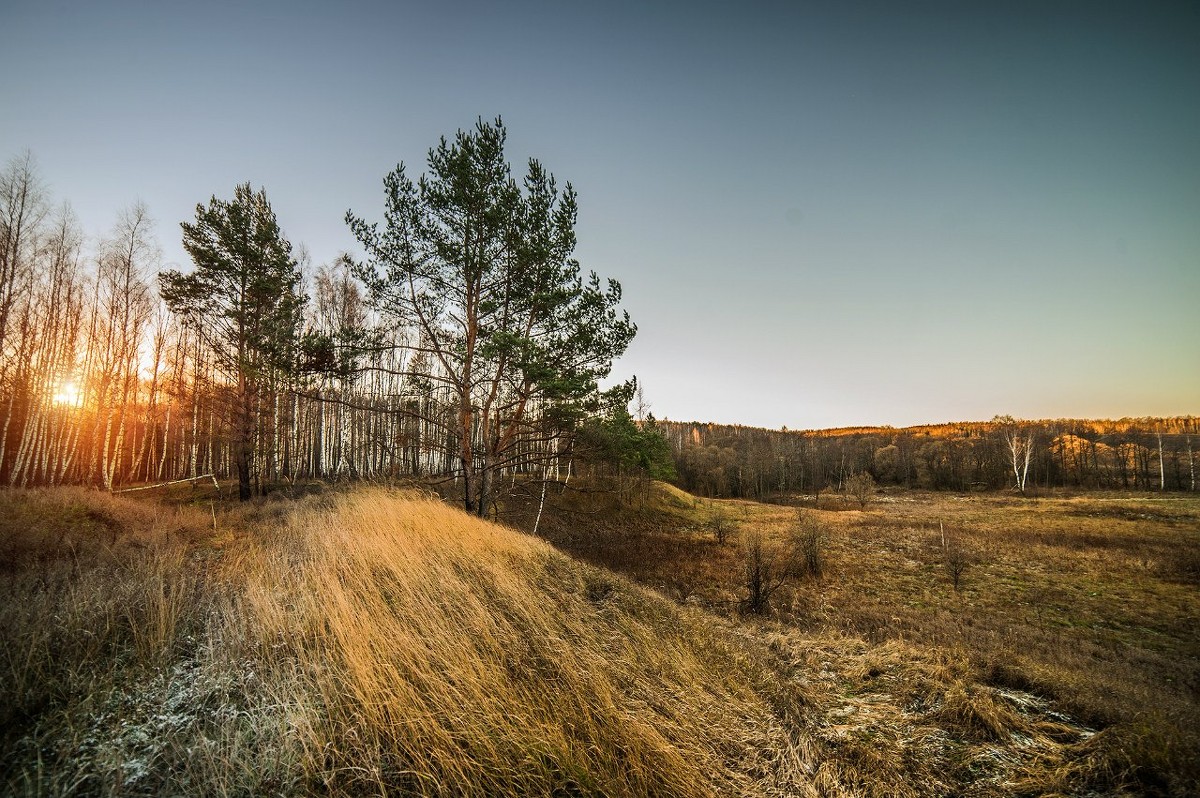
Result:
pixel 1019 442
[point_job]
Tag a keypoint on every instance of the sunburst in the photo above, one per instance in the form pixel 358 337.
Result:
pixel 68 394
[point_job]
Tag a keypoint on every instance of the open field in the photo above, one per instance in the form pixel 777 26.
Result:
pixel 373 642
pixel 1092 601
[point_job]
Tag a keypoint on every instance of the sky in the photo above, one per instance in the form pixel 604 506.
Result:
pixel 822 214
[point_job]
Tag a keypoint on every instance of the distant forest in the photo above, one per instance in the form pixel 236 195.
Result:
pixel 1151 454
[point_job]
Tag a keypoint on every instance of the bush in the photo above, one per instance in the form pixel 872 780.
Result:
pixel 808 542
pixel 862 487
pixel 765 568
pixel 719 523
pixel 956 557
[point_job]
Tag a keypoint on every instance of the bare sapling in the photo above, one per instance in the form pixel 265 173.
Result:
pixel 719 523
pixel 808 543
pixel 956 558
pixel 862 487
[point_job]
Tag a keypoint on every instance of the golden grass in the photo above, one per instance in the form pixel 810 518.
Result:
pixel 375 642
pixel 369 644
pixel 464 657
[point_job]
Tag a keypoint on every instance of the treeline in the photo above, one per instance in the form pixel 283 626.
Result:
pixel 1136 454
pixel 466 347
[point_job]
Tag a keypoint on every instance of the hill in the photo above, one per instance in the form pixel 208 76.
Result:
pixel 1003 454
pixel 379 642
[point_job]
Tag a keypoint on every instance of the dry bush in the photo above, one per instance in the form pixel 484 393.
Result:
pixel 719 523
pixel 764 568
pixel 809 542
pixel 862 487
pixel 957 555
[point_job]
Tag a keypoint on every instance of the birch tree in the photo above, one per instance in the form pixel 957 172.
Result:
pixel 23 209
pixel 1019 443
pixel 128 257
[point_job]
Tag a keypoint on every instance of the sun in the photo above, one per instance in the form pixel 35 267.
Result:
pixel 68 394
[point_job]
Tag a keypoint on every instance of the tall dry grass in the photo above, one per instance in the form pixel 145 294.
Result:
pixel 444 655
pixel 368 644
pixel 377 643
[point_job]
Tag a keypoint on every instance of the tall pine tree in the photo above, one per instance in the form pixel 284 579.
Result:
pixel 480 268
pixel 244 300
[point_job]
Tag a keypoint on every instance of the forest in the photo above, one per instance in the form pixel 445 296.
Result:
pixel 1149 454
pixel 467 348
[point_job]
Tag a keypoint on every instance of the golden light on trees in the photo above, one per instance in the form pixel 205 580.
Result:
pixel 68 394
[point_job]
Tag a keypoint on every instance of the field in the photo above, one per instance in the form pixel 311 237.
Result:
pixel 380 642
pixel 1091 601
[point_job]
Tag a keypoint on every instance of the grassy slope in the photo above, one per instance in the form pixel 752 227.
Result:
pixel 378 642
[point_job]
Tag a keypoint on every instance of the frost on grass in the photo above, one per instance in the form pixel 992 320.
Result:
pixel 168 730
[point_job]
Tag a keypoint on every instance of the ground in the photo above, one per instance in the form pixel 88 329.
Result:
pixel 1090 602
pixel 370 641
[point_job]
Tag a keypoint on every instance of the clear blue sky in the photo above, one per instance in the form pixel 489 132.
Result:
pixel 822 214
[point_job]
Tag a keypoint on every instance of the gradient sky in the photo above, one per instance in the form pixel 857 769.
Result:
pixel 822 214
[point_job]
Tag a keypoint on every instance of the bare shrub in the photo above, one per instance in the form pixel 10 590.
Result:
pixel 765 568
pixel 957 557
pixel 719 523
pixel 808 542
pixel 862 487
pixel 767 565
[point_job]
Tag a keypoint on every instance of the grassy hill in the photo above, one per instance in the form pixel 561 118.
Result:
pixel 378 642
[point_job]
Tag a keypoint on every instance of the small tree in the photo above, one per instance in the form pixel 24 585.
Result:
pixel 862 487
pixel 1018 440
pixel 956 558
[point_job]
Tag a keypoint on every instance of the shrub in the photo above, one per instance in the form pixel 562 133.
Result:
pixel 765 569
pixel 719 523
pixel 808 541
pixel 862 487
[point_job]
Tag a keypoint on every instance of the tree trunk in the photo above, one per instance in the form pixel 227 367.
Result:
pixel 245 438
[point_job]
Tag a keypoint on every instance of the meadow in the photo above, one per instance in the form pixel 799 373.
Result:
pixel 374 641
pixel 1088 601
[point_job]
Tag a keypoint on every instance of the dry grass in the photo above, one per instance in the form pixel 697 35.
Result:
pixel 370 643
pixel 375 642
pixel 1091 603
pixel 465 658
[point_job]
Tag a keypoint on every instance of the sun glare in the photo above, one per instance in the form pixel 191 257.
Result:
pixel 68 394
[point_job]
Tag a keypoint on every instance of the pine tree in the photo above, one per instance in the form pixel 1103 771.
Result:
pixel 480 269
pixel 244 300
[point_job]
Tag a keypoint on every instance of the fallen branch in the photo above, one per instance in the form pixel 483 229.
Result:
pixel 192 480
